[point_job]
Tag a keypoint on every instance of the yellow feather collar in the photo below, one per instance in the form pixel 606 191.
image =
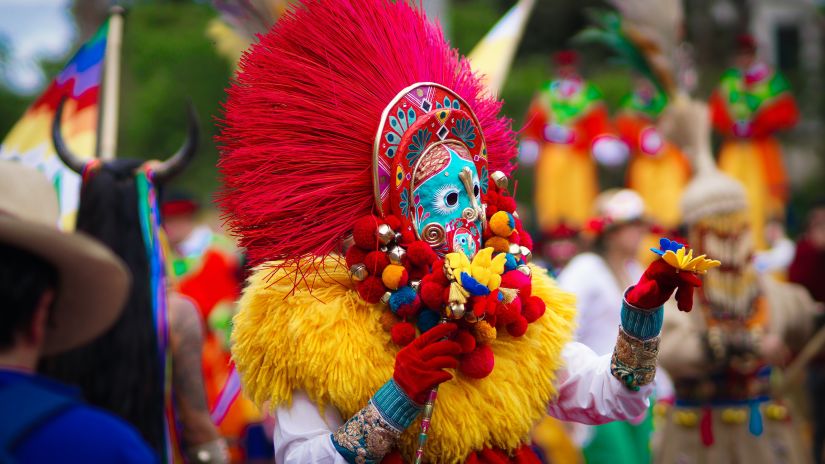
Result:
pixel 330 344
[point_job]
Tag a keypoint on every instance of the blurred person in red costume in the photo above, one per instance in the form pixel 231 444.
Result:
pixel 751 104
pixel 808 269
pixel 567 131
pixel 207 267
pixel 368 183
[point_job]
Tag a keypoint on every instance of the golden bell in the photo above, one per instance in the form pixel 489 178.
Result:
pixel 455 311
pixel 385 298
pixel 396 255
pixel 526 253
pixel 385 234
pixel 500 179
pixel 415 284
pixel 524 269
pixel 358 272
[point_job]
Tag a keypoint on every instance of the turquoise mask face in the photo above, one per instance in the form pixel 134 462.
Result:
pixel 447 200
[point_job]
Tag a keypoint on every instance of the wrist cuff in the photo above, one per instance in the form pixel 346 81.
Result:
pixel 395 406
pixel 641 323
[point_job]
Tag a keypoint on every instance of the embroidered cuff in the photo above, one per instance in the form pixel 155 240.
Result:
pixel 372 433
pixel 634 360
pixel 640 323
pixel 395 406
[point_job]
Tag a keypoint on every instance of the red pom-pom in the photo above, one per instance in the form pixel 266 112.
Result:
pixel 411 309
pixel 438 274
pixel 466 340
pixel 376 261
pixel 420 254
pixel 515 238
pixel 492 304
pixel 507 204
pixel 526 240
pixel 533 308
pixel 508 313
pixel 515 279
pixel 418 272
pixel 371 289
pixel 432 295
pixel 364 232
pixel 478 305
pixel 518 327
pixel 355 255
pixel 478 363
pixel 408 237
pixel 402 333
pixel 393 222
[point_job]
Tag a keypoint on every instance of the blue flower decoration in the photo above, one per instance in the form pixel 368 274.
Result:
pixel 484 180
pixel 665 245
pixel 449 103
pixel 465 131
pixel 473 286
pixel 405 202
pixel 398 125
pixel 419 141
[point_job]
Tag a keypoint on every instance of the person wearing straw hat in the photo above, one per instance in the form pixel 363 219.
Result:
pixel 58 291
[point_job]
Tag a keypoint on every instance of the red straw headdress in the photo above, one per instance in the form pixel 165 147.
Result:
pixel 302 115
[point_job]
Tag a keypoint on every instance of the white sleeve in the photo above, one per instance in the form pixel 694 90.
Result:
pixel 588 392
pixel 301 435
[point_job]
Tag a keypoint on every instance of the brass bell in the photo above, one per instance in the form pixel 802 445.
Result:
pixel 524 269
pixel 500 179
pixel 526 253
pixel 415 284
pixel 396 255
pixel 455 311
pixel 385 298
pixel 514 250
pixel 385 234
pixel 472 318
pixel 358 272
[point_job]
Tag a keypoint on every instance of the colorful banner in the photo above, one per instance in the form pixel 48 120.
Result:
pixel 494 54
pixel 30 140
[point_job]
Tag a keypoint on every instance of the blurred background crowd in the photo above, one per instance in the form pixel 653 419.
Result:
pixel 614 186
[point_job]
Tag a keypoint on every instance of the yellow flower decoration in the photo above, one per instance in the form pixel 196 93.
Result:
pixel 484 268
pixel 684 261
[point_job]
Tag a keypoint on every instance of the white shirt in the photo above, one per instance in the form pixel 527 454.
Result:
pixel 598 299
pixel 587 393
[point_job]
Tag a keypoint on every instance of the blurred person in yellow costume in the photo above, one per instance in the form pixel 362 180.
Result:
pixel 208 268
pixel 567 130
pixel 658 170
pixel 752 103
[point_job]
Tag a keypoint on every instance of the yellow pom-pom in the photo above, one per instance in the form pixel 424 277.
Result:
pixel 485 333
pixel 499 244
pixel 502 224
pixel 388 319
pixel 394 276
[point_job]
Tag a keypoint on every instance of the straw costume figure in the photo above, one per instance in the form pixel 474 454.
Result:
pixel 365 172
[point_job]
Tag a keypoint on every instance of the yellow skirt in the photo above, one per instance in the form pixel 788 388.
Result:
pixel 566 185
pixel 757 164
pixel 660 181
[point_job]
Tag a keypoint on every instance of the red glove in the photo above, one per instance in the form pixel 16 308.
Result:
pixel 658 282
pixel 419 366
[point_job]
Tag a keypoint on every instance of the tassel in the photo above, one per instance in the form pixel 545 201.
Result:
pixel 706 427
pixel 457 293
pixel 755 422
pixel 509 294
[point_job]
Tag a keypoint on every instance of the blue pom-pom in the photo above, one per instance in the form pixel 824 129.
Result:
pixel 427 319
pixel 473 286
pixel 400 297
pixel 510 262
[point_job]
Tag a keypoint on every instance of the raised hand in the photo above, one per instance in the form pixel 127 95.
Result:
pixel 420 366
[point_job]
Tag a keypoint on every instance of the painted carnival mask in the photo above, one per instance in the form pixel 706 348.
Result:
pixel 431 142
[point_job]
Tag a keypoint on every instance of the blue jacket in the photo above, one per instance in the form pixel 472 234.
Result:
pixel 73 432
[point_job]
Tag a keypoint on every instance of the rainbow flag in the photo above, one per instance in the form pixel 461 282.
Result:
pixel 30 140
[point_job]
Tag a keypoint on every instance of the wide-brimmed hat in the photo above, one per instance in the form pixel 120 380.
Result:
pixel 93 282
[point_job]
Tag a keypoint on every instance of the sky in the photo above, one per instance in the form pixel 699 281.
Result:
pixel 33 29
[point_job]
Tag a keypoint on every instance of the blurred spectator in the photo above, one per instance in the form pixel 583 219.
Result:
pixel 58 291
pixel 776 259
pixel 808 270
pixel 599 278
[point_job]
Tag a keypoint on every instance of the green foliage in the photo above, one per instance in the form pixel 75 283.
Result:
pixel 168 59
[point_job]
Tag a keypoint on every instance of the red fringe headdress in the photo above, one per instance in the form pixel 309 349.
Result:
pixel 302 115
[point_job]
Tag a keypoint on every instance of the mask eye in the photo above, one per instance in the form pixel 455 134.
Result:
pixel 445 201
pixel 476 190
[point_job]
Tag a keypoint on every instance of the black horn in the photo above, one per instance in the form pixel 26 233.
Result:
pixel 74 162
pixel 178 162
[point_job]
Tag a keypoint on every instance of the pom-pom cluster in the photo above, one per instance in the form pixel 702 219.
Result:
pixel 391 266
